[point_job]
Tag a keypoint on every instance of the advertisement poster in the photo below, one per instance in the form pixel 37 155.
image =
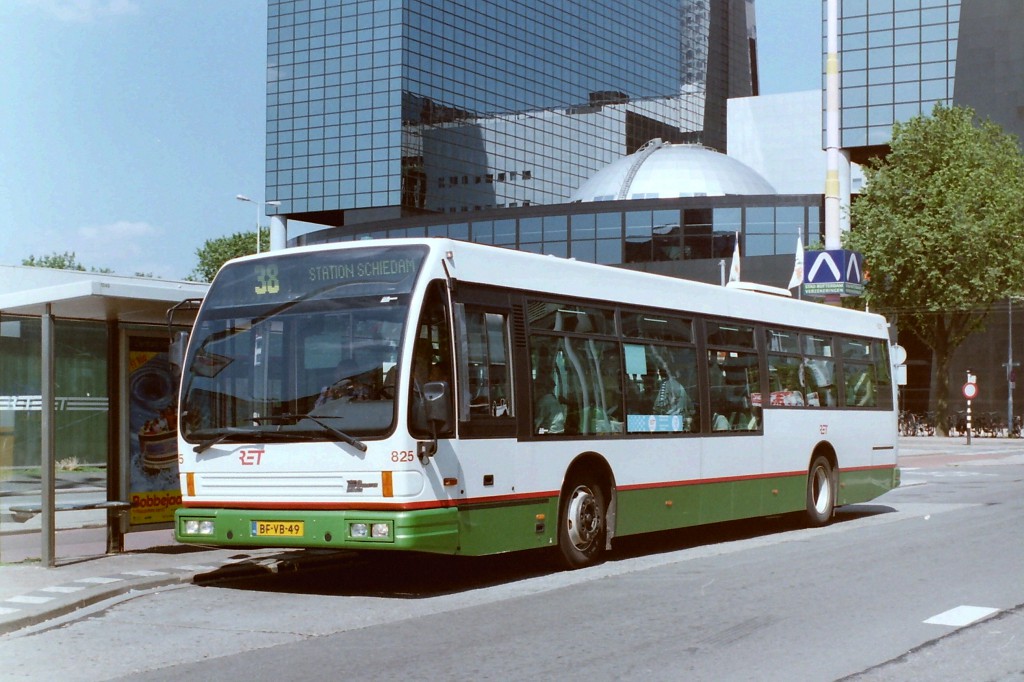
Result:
pixel 152 433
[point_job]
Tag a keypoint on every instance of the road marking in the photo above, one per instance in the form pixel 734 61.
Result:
pixel 961 616
pixel 28 599
pixel 63 589
pixel 4 611
pixel 99 581
pixel 197 569
pixel 145 574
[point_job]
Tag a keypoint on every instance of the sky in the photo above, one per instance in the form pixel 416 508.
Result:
pixel 128 127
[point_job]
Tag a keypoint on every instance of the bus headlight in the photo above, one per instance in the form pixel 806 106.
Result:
pixel 361 530
pixel 199 527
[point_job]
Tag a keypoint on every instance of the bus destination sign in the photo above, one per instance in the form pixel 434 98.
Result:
pixel 290 276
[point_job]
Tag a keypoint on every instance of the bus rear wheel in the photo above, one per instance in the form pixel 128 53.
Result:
pixel 581 524
pixel 821 492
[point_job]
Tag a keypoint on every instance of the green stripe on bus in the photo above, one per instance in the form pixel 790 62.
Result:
pixel 862 485
pixel 665 508
pixel 431 530
pixel 481 530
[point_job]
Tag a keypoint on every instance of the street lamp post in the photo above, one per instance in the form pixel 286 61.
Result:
pixel 259 211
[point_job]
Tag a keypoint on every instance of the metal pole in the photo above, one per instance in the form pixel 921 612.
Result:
pixel 257 226
pixel 47 450
pixel 832 240
pixel 278 231
pixel 968 411
pixel 1009 369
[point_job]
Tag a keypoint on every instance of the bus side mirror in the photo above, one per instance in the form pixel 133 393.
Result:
pixel 437 406
pixel 433 414
pixel 176 354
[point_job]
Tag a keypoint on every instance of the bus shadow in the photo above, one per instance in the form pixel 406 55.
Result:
pixel 419 576
pixel 730 531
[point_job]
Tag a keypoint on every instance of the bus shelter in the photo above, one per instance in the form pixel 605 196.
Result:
pixel 87 401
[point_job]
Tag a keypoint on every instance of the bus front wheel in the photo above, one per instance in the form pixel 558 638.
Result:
pixel 581 525
pixel 821 492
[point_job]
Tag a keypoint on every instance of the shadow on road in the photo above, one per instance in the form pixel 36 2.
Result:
pixel 410 575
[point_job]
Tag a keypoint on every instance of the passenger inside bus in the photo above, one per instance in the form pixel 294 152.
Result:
pixel 549 412
pixel 732 375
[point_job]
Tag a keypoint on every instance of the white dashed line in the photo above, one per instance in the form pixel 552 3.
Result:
pixel 145 574
pixel 961 616
pixel 29 599
pixel 4 611
pixel 63 589
pixel 99 581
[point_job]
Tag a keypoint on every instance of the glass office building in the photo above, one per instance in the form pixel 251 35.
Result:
pixel 381 109
pixel 683 236
pixel 899 57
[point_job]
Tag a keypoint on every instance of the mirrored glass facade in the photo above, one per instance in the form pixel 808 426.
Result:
pixel 663 235
pixel 898 58
pixel 386 108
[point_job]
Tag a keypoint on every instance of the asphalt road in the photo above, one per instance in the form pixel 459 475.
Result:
pixel 923 584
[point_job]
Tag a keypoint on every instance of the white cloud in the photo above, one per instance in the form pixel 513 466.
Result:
pixel 126 248
pixel 122 229
pixel 84 11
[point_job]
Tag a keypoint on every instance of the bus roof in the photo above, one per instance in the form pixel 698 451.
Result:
pixel 557 276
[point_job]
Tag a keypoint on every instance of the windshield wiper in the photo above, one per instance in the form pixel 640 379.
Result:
pixel 222 436
pixel 289 418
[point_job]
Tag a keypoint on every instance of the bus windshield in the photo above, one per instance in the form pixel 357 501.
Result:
pixel 299 347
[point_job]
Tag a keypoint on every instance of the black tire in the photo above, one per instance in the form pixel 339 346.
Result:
pixel 581 524
pixel 821 492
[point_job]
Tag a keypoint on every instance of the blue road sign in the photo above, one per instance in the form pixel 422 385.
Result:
pixel 836 271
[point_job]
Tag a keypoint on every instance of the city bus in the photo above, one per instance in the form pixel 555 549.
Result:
pixel 439 396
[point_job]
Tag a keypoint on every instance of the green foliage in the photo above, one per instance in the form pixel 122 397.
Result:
pixel 61 261
pixel 941 226
pixel 215 252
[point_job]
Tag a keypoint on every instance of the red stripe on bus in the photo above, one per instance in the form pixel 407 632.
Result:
pixel 499 499
pixel 373 506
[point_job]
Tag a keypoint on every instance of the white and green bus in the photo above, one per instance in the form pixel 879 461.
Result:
pixel 440 396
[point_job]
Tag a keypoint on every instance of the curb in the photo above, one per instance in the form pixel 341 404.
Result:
pixel 39 609
pixel 60 599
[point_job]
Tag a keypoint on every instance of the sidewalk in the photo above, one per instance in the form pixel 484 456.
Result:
pixel 31 595
pixel 954 449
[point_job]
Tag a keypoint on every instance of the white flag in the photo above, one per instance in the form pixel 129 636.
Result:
pixel 798 267
pixel 734 270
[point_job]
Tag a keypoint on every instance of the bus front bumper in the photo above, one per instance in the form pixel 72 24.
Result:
pixel 430 530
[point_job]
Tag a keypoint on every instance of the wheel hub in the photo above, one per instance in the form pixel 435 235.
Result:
pixel 584 518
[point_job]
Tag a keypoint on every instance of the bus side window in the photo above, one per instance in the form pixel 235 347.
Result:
pixel 883 373
pixel 548 390
pixel 487 387
pixel 661 389
pixel 431 356
pixel 595 369
pixel 734 381
pixel 860 373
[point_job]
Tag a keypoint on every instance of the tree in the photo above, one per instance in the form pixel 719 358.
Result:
pixel 215 252
pixel 941 226
pixel 61 261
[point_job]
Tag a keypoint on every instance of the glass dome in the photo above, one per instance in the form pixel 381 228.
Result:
pixel 661 170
